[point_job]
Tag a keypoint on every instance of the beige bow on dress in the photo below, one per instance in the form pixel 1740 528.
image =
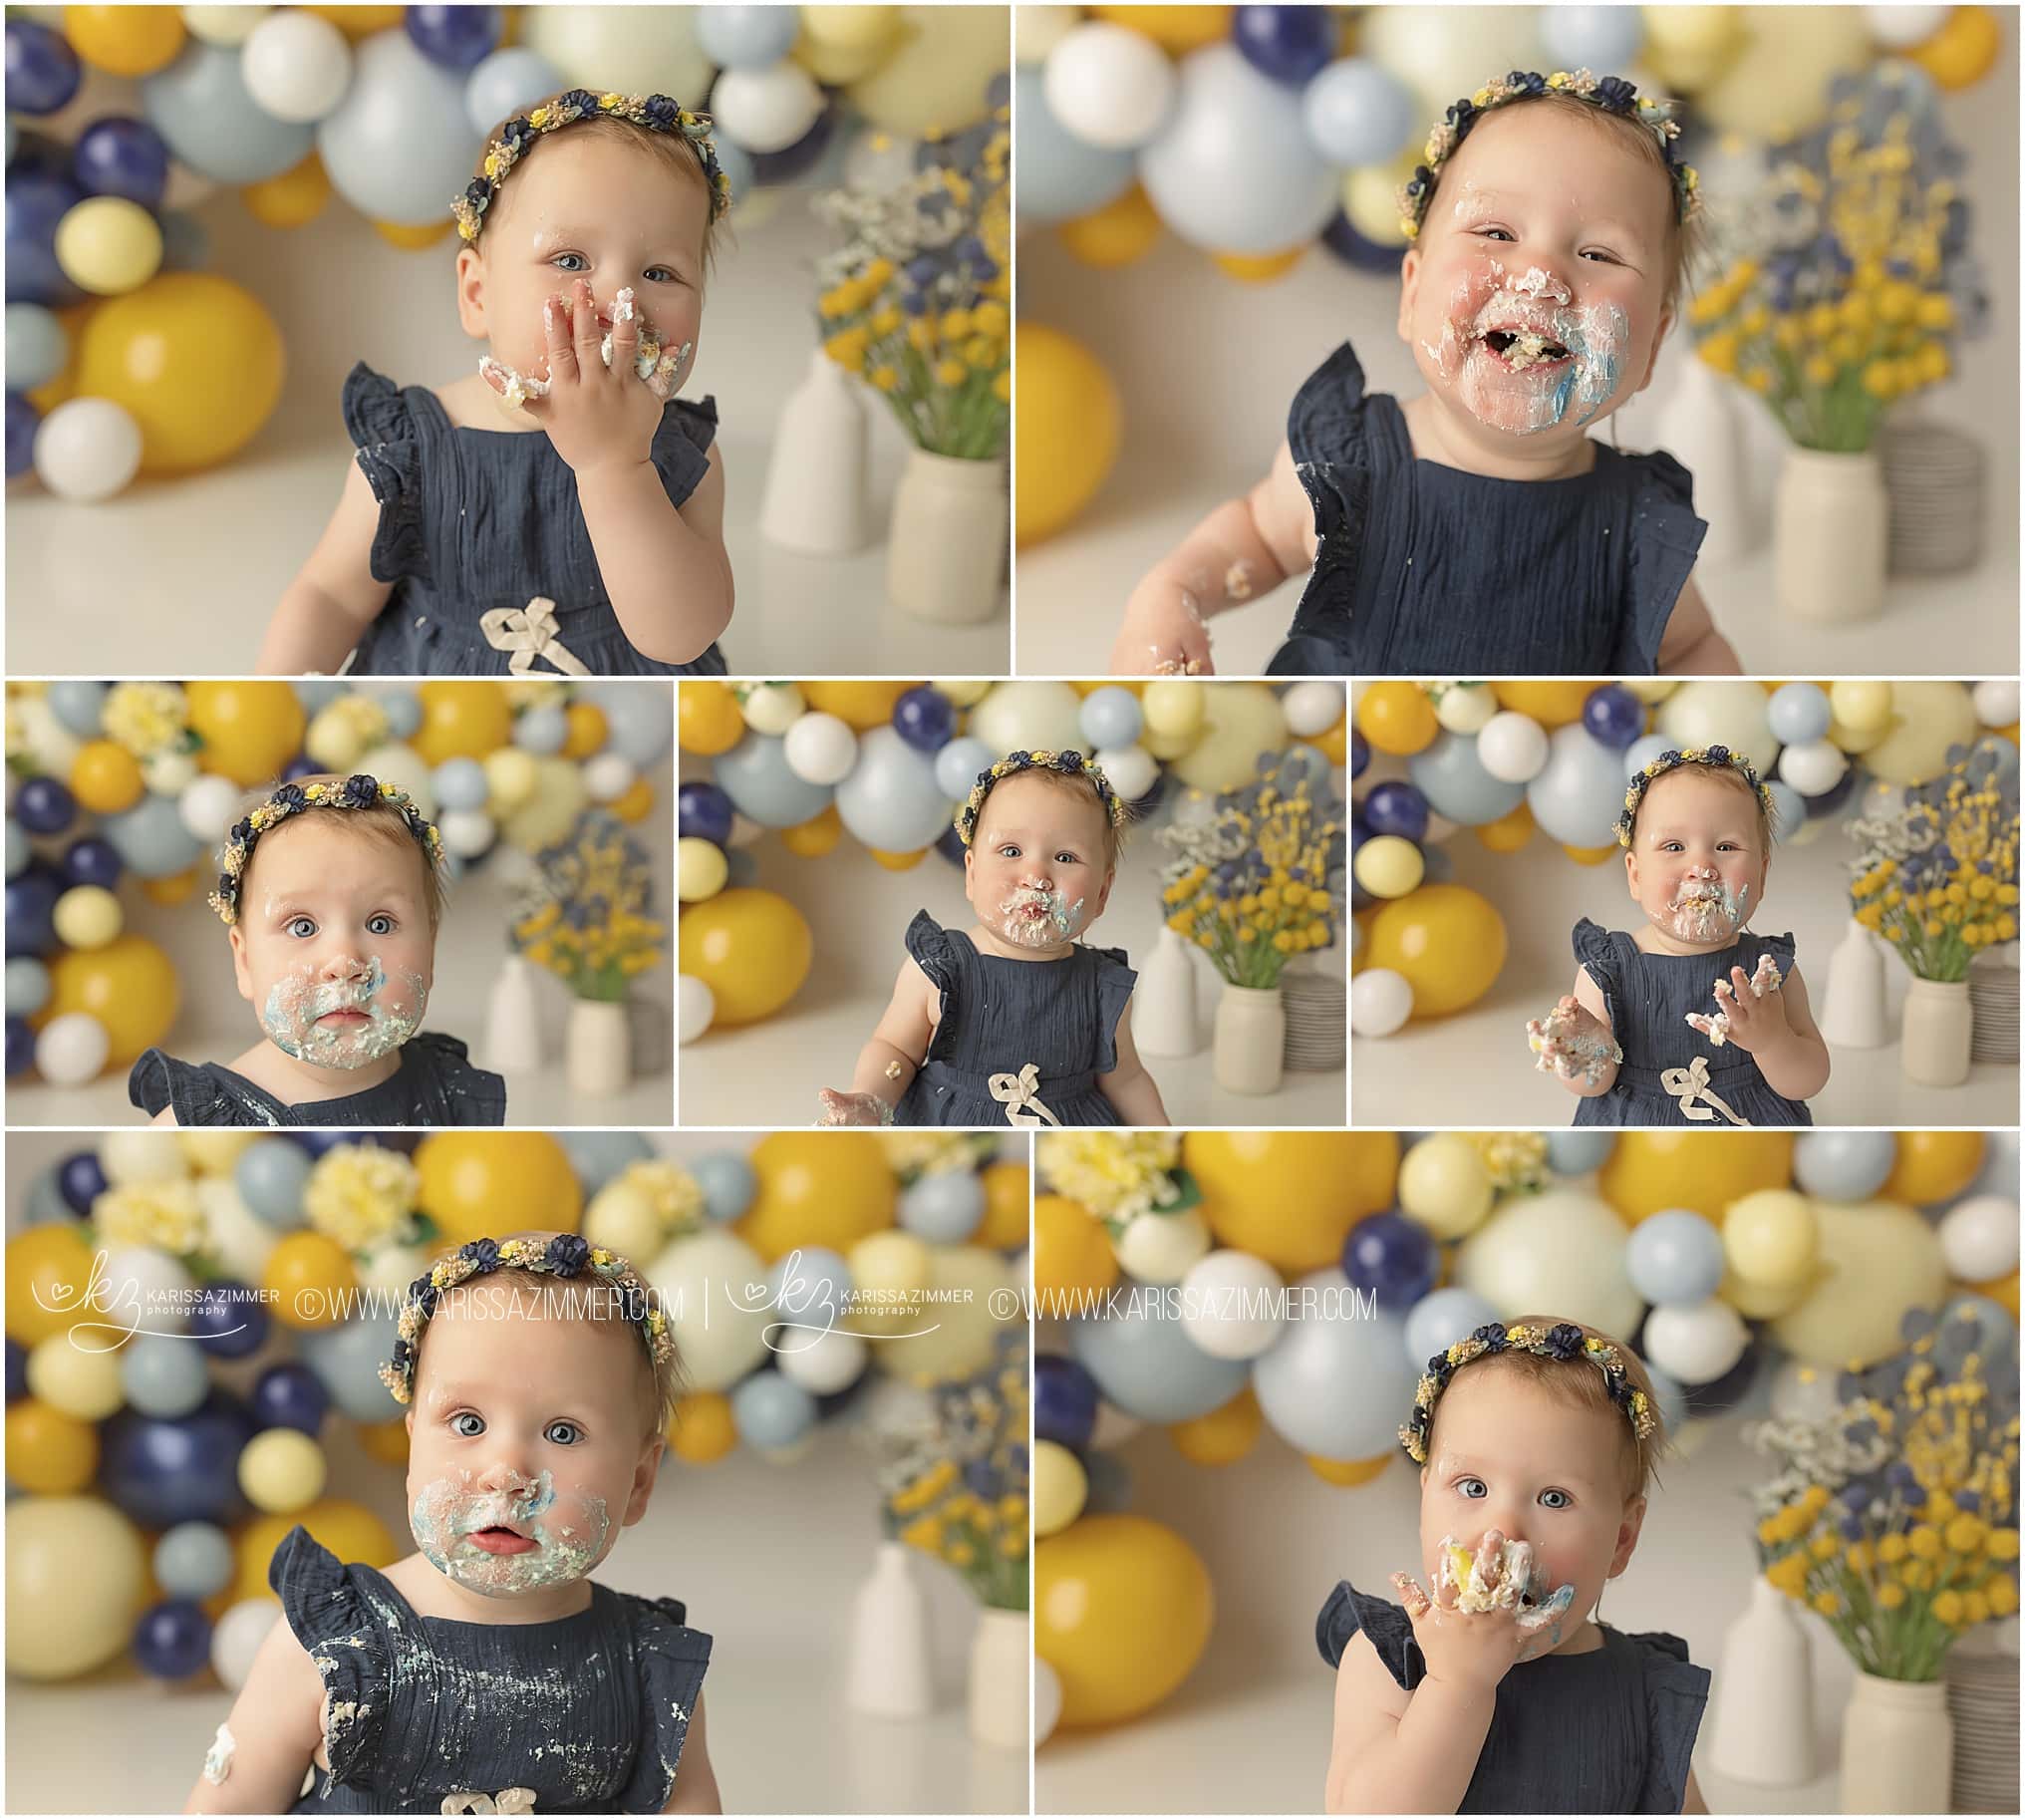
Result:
pixel 531 632
pixel 1019 1095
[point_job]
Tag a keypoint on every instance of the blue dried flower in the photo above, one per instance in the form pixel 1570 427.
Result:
pixel 1493 1337
pixel 359 791
pixel 568 1253
pixel 1616 94
pixel 482 1252
pixel 1564 1341
pixel 289 796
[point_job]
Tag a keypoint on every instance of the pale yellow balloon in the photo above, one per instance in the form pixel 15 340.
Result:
pixel 76 1577
pixel 621 1218
pixel 282 1470
pixel 1465 708
pixel 1762 1302
pixel 1927 718
pixel 109 246
pixel 1562 1251
pixel 87 917
pixel 1774 86
pixel 1371 199
pixel 1036 30
pixel 215 1152
pixel 332 739
pixel 700 868
pixel 391 1268
pixel 1852 741
pixel 1771 1238
pixel 134 1159
pixel 547 815
pixel 1444 1186
pixel 1243 719
pixel 965 692
pixel 935 78
pixel 850 27
pixel 223 25
pixel 1649 689
pixel 1060 1488
pixel 889 1270
pixel 1879 1258
pixel 652 52
pixel 952 1335
pixel 1173 708
pixel 1860 706
pixel 78 1381
pixel 509 777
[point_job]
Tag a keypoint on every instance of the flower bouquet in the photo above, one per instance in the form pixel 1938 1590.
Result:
pixel 1116 1177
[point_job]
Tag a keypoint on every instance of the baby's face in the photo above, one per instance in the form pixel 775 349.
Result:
pixel 1697 862
pixel 1508 1456
pixel 526 1455
pixel 584 204
pixel 1035 871
pixel 333 947
pixel 1535 298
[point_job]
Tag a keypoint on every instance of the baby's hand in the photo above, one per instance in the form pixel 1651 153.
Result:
pixel 597 416
pixel 1163 634
pixel 1571 1042
pixel 853 1108
pixel 1752 1011
pixel 1473 1651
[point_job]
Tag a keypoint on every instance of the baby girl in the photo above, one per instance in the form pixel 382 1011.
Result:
pixel 1691 1017
pixel 1014 1020
pixel 333 936
pixel 488 1672
pixel 1491 1693
pixel 558 503
pixel 1476 527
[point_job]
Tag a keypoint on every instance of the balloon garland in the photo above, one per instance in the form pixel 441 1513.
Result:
pixel 1505 759
pixel 888 763
pixel 1744 1268
pixel 125 356
pixel 163 1446
pixel 137 782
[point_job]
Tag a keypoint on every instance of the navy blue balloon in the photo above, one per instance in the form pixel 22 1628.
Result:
pixel 1614 716
pixel 20 1047
pixel 39 151
pixel 457 37
pixel 92 860
pixel 950 845
pixel 17 1373
pixel 117 157
pixel 925 718
pixel 80 1180
pixel 1360 829
pixel 1398 808
pixel 1393 1257
pixel 290 1396
pixel 37 199
pixel 228 1319
pixel 31 902
pixel 1356 251
pixel 407 1142
pixel 44 807
pixel 163 1471
pixel 173 1639
pixel 1291 44
pixel 1361 752
pixel 1064 1402
pixel 791 160
pixel 1830 801
pixel 704 811
pixel 22 421
pixel 299 768
pixel 317 1142
pixel 43 72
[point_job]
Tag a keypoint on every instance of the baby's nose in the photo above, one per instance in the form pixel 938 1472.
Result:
pixel 343 965
pixel 503 1476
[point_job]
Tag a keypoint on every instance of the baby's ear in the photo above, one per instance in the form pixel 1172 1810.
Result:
pixel 472 292
pixel 243 972
pixel 1409 286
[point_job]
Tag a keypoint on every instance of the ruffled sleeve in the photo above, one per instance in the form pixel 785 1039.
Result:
pixel 1327 434
pixel 1676 1691
pixel 159 1080
pixel 1779 948
pixel 1666 538
pixel 1115 981
pixel 681 445
pixel 1347 1610
pixel 150 1081
pixel 671 1660
pixel 928 943
pixel 469 1096
pixel 1598 953
pixel 333 1622
pixel 379 421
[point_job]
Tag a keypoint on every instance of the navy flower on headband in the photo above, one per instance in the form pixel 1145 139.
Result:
pixel 568 1253
pixel 484 1253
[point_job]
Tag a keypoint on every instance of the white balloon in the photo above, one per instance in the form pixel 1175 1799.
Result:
pixel 1228 1306
pixel 1131 771
pixel 296 65
pixel 1380 1001
pixel 71 1048
pixel 468 833
pixel 1814 768
pixel 1901 28
pixel 765 110
pixel 209 806
pixel 1695 1342
pixel 86 448
pixel 695 1005
pixel 1996 700
pixel 151 1291
pixel 1312 708
pixel 821 1364
pixel 1108 84
pixel 1513 748
pixel 1047 1683
pixel 821 749
pixel 1162 1247
pixel 238 1635
pixel 167 772
pixel 139 1160
pixel 1979 1238
pixel 721 1330
pixel 609 776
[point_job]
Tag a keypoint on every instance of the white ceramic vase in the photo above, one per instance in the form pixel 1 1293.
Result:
pixel 597 1047
pixel 1831 521
pixel 513 1019
pixel 1852 1009
pixel 1897 1747
pixel 1251 1040
pixel 814 501
pixel 1933 1047
pixel 950 526
pixel 890 1662
pixel 1163 1003
pixel 1702 428
pixel 1001 1659
pixel 1764 1718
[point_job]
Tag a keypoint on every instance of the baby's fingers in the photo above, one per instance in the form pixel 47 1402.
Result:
pixel 584 329
pixel 625 331
pixel 555 333
pixel 1412 1596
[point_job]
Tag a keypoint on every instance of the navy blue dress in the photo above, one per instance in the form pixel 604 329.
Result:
pixel 477 521
pixel 1608 1731
pixel 588 1711
pixel 1424 570
pixel 1671 1069
pixel 435 1084
pixel 1000 1016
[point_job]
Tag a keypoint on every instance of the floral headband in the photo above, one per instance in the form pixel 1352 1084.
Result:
pixel 1564 1341
pixel 1610 93
pixel 655 112
pixel 1718 756
pixel 565 1254
pixel 1070 763
pixel 357 791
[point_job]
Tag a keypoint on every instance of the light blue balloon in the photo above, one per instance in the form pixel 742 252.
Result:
pixel 770 1411
pixel 1110 717
pixel 1437 867
pixel 164 1374
pixel 891 800
pixel 1670 1398
pixel 1441 1318
pixel 1578 1152
pixel 1798 713
pixel 1152 1369
pixel 2004 752
pixel 27 986
pixel 728 1184
pixel 36 350
pixel 1843 1165
pixel 185 242
pixel 1232 169
pixel 1643 749
pixel 957 764
pixel 757 777
pixel 944 1208
pixel 347 1361
pixel 740 172
pixel 18 850
pixel 1359 114
pixel 400 145
pixel 194 1560
pixel 746 36
pixel 599 1158
pixel 638 721
pixel 1674 1257
pixel 402 709
pixel 1449 775
pixel 44 1204
pixel 201 107
pixel 1789 811
pixel 742 868
pixel 461 784
pixel 1590 36
pixel 1111 1484
pixel 1997 1332
pixel 542 730
pixel 507 83
pixel 271 1174
pixel 809 1288
pixel 151 839
pixel 317 692
pixel 1303 764
pixel 1059 175
pixel 1579 794
pixel 1336 1382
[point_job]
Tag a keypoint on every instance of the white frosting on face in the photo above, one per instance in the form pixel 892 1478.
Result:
pixel 1704 908
pixel 1517 1586
pixel 345 1017
pixel 662 368
pixel 1037 916
pixel 567 1526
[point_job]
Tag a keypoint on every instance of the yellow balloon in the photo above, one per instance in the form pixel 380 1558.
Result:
pixel 635 805
pixel 588 730
pixel 703 1428
pixel 1444 1186
pixel 835 65
pixel 1370 198
pixel 1174 709
pixel 1760 1302
pixel 860 706
pixel 1289 1197
pixel 828 1188
pixel 1398 718
pixel 358 22
pixel 307 1277
pixel 1068 420
pixel 409 238
pixel 77 1576
pixel 1334 745
pixel 1060 1487
pixel 2001 1290
pixel 1590 856
pixel 48 1271
pixel 1175 29
pixel 215 1152
pixel 1261 268
pixel 701 869
pixel 128 985
pixel 706 718
pixel 1860 706
pixel 1122 1609
pixel 1072 1254
pixel 282 1470
pixel 194 359
pixel 483 1184
pixel 48 1451
pixel 1242 720
pixel 1554 704
pixel 1879 1258
pixel 1964 50
pixel 850 28
pixel 1702 1171
pixel 899 862
pixel 751 948
pixel 510 777
pixel 124 40
pixel 462 720
pixel 176 888
pixel 1927 718
pixel 1223 1437
pixel 106 777
pixel 1934 1166
pixel 1509 834
pixel 83 1381
pixel 890 1271
pixel 386 1442
pixel 814 839
pixel 935 78
pixel 1123 231
pixel 1005 1225
pixel 350 1531
pixel 1349 1472
pixel 293 199
pixel 86 916
pixel 249 730
pixel 1446 941
pixel 1770 1238
pixel 107 245
pixel 1388 866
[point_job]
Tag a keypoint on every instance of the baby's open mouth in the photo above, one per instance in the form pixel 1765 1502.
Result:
pixel 1521 349
pixel 499 1540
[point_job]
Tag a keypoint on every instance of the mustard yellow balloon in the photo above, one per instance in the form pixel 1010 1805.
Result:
pixel 107 245
pixel 1260 268
pixel 703 1428
pixel 293 199
pixel 1069 422
pixel 860 706
pixel 1349 1472
pixel 410 237
pixel 1964 50
pixel 1446 941
pixel 194 359
pixel 815 1188
pixel 1444 1186
pixel 1934 1166
pixel 350 1531
pixel 130 985
pixel 701 869
pixel 1398 718
pixel 308 1277
pixel 81 1381
pixel 1590 856
pixel 898 862
pixel 249 730
pixel 1702 1171
pixel 1060 1488
pixel 358 22
pixel 1122 1610
pixel 124 40
pixel 1123 231
pixel 282 1470
pixel 462 720
pixel 1072 1253
pixel 484 1184
pixel 386 1442
pixel 587 729
pixel 1771 1238
pixel 751 948
pixel 1289 1197
pixel 48 1269
pixel 1175 29
pixel 1007 1225
pixel 706 718
pixel 48 1451
pixel 1879 1258
pixel 1223 1437
pixel 814 839
pixel 1551 703
pixel 1509 834
pixel 106 777
pixel 76 1574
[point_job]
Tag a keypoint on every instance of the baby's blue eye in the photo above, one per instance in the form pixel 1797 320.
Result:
pixel 1008 851
pixel 467 1416
pixel 301 927
pixel 569 1429
pixel 661 274
pixel 1484 1492
pixel 582 264
pixel 1554 1492
pixel 380 924
pixel 1065 860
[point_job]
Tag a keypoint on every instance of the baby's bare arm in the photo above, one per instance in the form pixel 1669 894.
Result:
pixel 696 1783
pixel 887 1062
pixel 1392 1752
pixel 1691 644
pixel 334 598
pixel 276 1727
pixel 666 569
pixel 1128 1086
